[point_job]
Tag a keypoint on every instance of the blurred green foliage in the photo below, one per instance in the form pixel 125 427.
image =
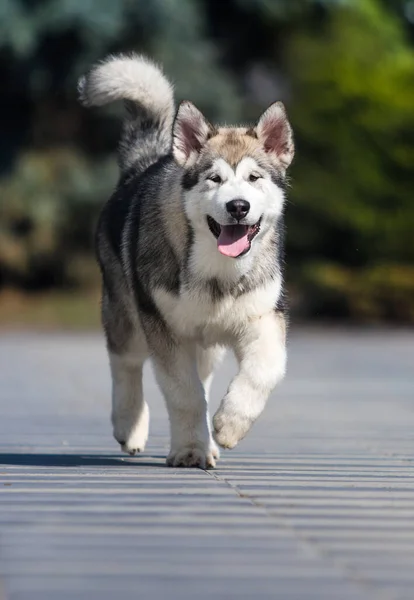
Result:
pixel 345 70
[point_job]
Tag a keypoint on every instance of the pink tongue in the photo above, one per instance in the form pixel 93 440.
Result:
pixel 232 240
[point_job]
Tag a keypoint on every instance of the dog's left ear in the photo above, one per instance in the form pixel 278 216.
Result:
pixel 275 133
pixel 190 132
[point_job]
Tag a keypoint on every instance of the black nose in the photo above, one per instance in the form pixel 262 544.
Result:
pixel 238 208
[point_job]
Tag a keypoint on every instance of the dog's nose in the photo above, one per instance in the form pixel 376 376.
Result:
pixel 238 208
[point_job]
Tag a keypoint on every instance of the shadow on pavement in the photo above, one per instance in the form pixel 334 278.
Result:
pixel 80 460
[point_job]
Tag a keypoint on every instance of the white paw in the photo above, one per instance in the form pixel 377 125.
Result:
pixel 194 455
pixel 135 443
pixel 230 426
pixel 132 437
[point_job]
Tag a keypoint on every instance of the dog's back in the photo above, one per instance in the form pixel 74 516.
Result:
pixel 131 236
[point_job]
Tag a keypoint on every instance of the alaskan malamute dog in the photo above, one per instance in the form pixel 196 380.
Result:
pixel 191 249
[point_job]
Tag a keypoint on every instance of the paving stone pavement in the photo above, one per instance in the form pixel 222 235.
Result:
pixel 317 503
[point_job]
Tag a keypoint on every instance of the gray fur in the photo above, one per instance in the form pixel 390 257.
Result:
pixel 146 246
pixel 149 101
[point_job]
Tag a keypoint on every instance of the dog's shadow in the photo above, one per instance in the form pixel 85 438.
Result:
pixel 79 460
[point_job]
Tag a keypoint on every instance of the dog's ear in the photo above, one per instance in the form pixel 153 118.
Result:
pixel 275 133
pixel 190 132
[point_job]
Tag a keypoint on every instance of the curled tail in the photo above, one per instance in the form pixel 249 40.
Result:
pixel 149 101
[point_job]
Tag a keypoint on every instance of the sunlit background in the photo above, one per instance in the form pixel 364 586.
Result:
pixel 344 69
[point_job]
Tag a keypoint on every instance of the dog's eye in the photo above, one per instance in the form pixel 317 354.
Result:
pixel 253 177
pixel 215 178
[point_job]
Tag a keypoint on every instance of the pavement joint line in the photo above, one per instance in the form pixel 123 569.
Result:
pixel 349 572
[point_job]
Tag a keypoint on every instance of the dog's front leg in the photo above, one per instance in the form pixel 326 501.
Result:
pixel 191 441
pixel 261 353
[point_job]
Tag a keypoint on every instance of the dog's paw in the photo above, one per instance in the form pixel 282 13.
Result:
pixel 195 456
pixel 134 443
pixel 132 439
pixel 230 426
pixel 132 447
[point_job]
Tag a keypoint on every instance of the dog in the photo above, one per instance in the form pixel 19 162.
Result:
pixel 190 247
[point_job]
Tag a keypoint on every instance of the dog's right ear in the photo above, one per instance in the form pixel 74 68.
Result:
pixel 191 130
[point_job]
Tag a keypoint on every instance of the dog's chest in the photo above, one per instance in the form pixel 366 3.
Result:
pixel 199 315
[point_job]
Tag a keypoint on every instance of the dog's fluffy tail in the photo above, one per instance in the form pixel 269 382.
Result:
pixel 149 101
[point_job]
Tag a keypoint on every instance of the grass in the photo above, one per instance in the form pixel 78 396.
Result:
pixel 49 311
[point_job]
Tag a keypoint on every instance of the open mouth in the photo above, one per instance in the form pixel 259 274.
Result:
pixel 233 240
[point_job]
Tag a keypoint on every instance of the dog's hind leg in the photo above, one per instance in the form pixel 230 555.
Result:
pixel 207 360
pixel 128 350
pixel 130 413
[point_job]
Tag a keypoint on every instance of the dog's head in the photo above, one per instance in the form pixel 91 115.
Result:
pixel 233 176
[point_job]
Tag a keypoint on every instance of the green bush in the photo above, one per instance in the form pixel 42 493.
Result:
pixel 352 211
pixel 379 293
pixel 47 218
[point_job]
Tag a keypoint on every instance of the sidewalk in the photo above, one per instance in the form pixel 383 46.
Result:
pixel 316 504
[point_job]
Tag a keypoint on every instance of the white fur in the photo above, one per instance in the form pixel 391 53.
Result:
pixel 185 384
pixel 130 413
pixel 262 358
pixel 191 441
pixel 201 325
pixel 265 198
pixel 248 323
pixel 209 199
pixel 250 326
pixel 132 77
pixel 207 360
pixel 195 316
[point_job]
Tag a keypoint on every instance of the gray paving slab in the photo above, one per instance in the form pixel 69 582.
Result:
pixel 317 503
